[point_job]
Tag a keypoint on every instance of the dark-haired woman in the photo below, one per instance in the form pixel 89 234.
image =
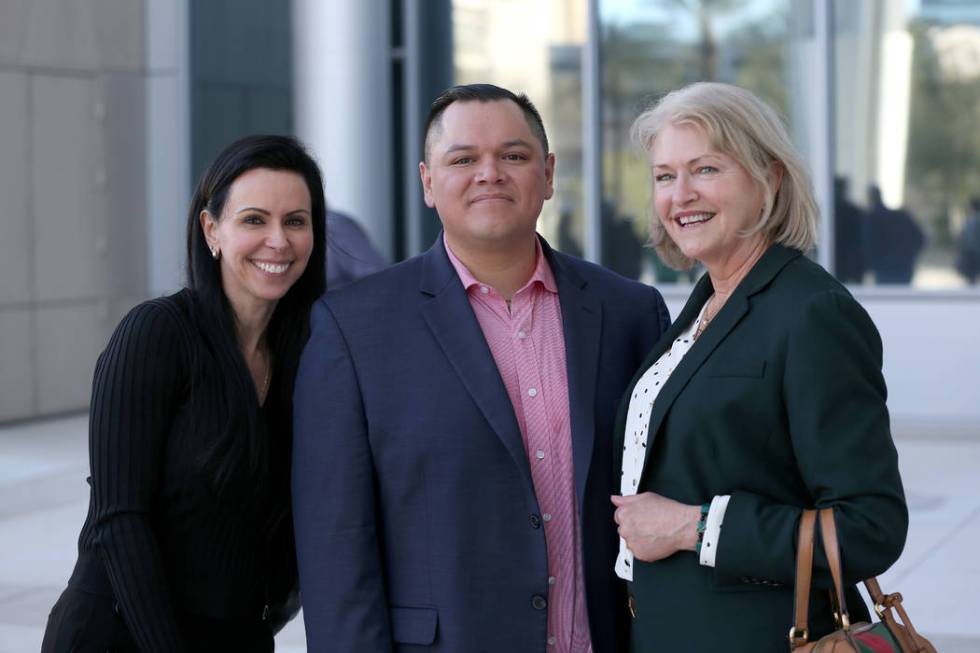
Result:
pixel 188 541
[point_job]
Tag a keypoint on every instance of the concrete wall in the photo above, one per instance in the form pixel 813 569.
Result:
pixel 73 178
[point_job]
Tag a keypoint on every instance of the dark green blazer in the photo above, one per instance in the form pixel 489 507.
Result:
pixel 781 404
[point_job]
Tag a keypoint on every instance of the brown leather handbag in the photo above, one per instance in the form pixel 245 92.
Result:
pixel 888 635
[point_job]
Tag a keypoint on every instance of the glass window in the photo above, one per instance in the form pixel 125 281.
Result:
pixel 907 147
pixel 535 48
pixel 651 48
pixel 241 74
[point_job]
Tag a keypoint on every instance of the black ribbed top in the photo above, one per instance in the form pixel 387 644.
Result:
pixel 157 535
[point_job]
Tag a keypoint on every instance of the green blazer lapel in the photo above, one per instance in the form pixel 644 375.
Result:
pixel 764 271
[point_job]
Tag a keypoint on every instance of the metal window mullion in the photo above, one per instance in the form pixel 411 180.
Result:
pixel 823 146
pixel 411 124
pixel 592 137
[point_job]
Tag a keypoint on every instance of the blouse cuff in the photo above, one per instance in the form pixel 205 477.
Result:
pixel 712 530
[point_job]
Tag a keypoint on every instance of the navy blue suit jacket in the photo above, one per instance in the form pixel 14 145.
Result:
pixel 416 520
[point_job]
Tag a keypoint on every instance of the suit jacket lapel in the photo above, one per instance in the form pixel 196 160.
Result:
pixel 581 313
pixel 450 317
pixel 774 259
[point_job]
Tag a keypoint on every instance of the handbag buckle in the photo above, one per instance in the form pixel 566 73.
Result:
pixel 887 602
pixel 798 640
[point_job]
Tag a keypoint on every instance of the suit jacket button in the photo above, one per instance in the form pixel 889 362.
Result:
pixel 538 602
pixel 535 521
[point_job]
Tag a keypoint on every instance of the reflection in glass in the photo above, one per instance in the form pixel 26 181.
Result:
pixel 907 147
pixel 535 48
pixel 650 48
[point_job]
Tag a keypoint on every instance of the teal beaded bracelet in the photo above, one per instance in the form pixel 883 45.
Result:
pixel 702 526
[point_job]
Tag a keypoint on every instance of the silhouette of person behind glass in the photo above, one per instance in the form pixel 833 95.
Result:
pixel 893 241
pixel 968 257
pixel 849 221
pixel 350 253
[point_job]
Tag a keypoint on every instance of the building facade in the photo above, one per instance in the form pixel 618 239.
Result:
pixel 103 129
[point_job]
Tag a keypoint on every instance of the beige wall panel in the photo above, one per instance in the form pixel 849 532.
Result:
pixel 62 35
pixel 14 15
pixel 69 176
pixel 120 34
pixel 16 242
pixel 16 367
pixel 124 193
pixel 69 340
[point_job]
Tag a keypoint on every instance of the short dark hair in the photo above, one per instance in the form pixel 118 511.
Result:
pixel 242 448
pixel 482 93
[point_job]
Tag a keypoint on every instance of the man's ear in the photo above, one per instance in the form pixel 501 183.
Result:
pixel 549 175
pixel 426 176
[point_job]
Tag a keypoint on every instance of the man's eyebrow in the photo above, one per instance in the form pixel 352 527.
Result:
pixel 458 147
pixel 517 142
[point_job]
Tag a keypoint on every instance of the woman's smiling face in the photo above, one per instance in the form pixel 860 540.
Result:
pixel 264 235
pixel 704 198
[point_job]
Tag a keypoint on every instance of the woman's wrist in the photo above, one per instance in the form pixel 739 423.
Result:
pixel 693 530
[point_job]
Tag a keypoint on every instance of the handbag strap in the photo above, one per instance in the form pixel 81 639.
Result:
pixel 799 634
pixel 906 637
pixel 831 548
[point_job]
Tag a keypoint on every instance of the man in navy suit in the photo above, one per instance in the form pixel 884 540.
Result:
pixel 453 461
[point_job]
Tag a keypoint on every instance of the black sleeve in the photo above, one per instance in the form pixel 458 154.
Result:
pixel 134 396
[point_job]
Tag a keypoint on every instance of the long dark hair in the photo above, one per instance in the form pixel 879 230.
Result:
pixel 241 446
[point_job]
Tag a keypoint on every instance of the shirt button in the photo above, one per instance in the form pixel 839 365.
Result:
pixel 521 335
pixel 551 580
pixel 552 640
pixel 539 454
pixel 546 516
pixel 533 392
pixel 535 521
pixel 538 602
pixel 484 290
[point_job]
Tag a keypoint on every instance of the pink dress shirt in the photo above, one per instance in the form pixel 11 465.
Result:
pixel 528 345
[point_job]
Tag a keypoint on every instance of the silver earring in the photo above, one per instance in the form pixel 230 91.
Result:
pixel 215 253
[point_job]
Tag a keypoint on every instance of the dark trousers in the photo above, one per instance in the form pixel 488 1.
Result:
pixel 83 622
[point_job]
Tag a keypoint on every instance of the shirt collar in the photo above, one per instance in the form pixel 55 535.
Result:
pixel 542 270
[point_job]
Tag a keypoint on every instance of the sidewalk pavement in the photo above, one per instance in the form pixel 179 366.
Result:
pixel 44 498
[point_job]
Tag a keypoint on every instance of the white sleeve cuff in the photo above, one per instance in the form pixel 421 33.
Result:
pixel 712 530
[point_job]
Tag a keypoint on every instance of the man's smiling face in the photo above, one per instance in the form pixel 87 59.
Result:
pixel 486 174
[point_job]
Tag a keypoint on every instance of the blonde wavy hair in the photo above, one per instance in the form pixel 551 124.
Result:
pixel 745 128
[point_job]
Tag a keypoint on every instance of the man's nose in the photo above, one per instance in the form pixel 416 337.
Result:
pixel 489 170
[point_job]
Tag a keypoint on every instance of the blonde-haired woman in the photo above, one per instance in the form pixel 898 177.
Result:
pixel 764 398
